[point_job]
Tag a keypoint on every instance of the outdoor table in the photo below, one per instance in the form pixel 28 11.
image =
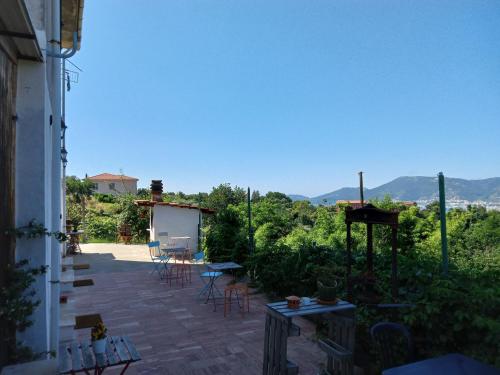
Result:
pixel 79 356
pixel 218 267
pixel 449 364
pixel 74 241
pixel 279 327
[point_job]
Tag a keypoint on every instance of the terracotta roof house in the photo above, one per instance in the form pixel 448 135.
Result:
pixel 107 183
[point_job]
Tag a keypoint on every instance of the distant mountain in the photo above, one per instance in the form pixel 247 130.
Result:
pixel 298 197
pixel 418 189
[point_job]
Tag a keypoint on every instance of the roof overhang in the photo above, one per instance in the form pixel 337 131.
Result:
pixel 17 35
pixel 147 203
pixel 71 21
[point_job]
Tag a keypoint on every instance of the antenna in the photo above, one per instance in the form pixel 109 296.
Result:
pixel 361 188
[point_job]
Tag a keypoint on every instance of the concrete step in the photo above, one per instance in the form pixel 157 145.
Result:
pixel 67 261
pixel 67 321
pixel 66 280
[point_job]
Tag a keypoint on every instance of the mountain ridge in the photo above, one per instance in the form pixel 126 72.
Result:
pixel 417 189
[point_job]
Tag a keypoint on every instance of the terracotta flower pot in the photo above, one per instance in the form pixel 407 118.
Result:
pixel 293 302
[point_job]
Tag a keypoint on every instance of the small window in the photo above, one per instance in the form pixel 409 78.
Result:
pixel 112 186
pixel 95 186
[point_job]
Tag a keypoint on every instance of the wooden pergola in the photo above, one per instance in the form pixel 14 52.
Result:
pixel 371 215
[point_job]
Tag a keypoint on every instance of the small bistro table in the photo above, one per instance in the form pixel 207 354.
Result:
pixel 78 356
pixel 450 364
pixel 279 327
pixel 74 241
pixel 218 267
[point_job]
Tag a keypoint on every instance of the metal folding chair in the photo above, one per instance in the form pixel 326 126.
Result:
pixel 208 277
pixel 159 259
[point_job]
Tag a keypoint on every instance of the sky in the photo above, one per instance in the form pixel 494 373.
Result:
pixel 294 96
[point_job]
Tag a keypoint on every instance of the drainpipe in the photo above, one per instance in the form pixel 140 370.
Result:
pixel 67 54
pixel 55 185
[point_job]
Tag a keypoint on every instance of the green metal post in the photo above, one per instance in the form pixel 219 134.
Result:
pixel 442 214
pixel 250 229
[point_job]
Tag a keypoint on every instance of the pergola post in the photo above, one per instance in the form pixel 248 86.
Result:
pixel 348 262
pixel 369 247
pixel 394 274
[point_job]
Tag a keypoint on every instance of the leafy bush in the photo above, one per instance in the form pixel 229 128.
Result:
pixel 226 239
pixel 101 227
pixel 104 198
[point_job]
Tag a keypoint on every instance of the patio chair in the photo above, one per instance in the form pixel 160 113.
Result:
pixel 205 273
pixel 159 259
pixel 395 343
pixel 241 291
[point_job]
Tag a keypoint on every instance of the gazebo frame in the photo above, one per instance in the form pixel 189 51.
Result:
pixel 370 215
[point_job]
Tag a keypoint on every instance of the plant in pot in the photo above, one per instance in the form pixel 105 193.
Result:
pixel 328 285
pixel 99 338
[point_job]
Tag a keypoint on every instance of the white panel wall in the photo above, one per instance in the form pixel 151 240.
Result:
pixel 178 222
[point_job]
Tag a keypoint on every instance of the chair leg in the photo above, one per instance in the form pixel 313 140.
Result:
pixel 225 302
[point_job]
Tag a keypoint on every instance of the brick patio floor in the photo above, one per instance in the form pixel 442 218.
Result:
pixel 174 331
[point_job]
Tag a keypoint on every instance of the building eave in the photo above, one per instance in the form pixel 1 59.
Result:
pixel 17 34
pixel 71 21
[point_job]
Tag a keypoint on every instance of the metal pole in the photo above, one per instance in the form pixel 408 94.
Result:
pixel 442 214
pixel 250 229
pixel 361 188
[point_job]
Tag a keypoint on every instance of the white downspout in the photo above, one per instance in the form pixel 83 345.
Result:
pixel 55 269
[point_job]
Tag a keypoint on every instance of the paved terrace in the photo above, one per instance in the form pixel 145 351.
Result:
pixel 175 332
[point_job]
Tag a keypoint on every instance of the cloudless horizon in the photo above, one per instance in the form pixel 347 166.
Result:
pixel 294 96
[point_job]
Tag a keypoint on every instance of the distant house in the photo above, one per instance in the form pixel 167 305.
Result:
pixel 107 183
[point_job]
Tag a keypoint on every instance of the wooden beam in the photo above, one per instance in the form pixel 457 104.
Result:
pixel 7 186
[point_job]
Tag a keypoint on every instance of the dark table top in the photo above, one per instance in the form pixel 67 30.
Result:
pixel 312 308
pixel 450 364
pixel 223 266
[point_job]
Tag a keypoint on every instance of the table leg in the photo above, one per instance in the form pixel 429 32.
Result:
pixel 125 368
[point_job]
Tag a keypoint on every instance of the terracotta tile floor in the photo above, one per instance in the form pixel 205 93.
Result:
pixel 174 331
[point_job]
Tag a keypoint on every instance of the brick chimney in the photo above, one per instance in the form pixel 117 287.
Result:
pixel 156 190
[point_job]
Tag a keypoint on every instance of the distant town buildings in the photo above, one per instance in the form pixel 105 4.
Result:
pixel 462 203
pixel 107 183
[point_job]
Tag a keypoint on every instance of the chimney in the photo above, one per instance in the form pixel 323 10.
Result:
pixel 156 190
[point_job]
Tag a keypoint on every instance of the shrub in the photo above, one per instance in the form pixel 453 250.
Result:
pixel 101 227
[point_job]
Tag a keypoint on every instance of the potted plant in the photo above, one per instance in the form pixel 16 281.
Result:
pixel 328 285
pixel 99 338
pixel 327 291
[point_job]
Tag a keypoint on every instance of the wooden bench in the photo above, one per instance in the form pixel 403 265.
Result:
pixel 78 356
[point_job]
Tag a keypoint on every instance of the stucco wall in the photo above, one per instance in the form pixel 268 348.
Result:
pixel 178 222
pixel 121 187
pixel 33 195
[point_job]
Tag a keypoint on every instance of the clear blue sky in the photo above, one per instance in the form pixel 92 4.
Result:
pixel 292 96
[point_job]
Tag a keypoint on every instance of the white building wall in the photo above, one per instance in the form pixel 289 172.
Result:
pixel 120 187
pixel 33 197
pixel 178 222
pixel 38 174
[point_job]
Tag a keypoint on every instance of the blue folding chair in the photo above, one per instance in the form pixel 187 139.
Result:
pixel 159 259
pixel 208 277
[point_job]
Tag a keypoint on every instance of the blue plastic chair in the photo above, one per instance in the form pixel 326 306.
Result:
pixel 389 336
pixel 159 259
pixel 205 274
